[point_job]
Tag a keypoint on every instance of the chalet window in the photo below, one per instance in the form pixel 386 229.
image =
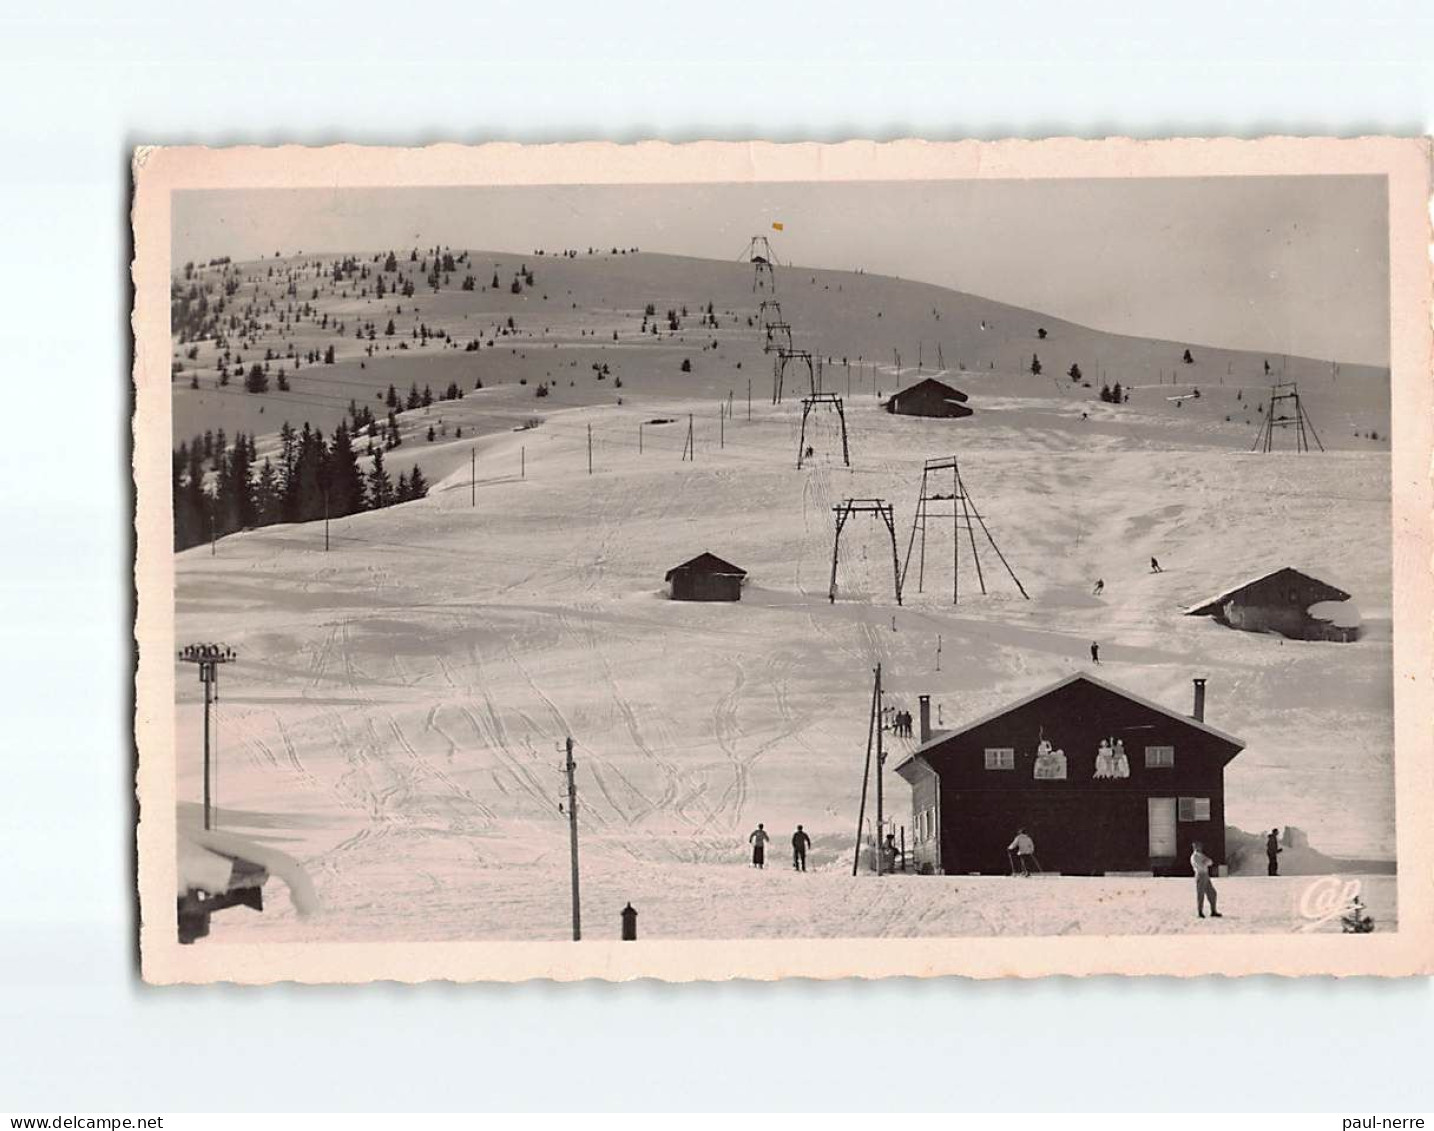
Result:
pixel 1000 758
pixel 1159 757
pixel 1194 809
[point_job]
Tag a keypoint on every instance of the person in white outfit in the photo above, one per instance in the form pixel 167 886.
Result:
pixel 1204 889
pixel 1024 849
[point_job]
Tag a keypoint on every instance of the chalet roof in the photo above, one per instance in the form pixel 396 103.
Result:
pixel 933 385
pixel 940 737
pixel 706 563
pixel 1324 591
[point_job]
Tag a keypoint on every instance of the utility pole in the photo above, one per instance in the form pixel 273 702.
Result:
pixel 880 762
pixel 590 449
pixel 639 439
pixel 749 398
pixel 872 723
pixel 326 520
pixel 523 462
pixel 473 474
pixel 569 768
pixel 208 657
pixel 689 449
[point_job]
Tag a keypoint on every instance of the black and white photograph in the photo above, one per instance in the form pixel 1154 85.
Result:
pixel 987 572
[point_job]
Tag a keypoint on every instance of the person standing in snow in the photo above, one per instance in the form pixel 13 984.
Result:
pixel 1094 652
pixel 1272 851
pixel 800 843
pixel 1024 850
pixel 1204 889
pixel 758 841
pixel 1099 587
pixel 1155 566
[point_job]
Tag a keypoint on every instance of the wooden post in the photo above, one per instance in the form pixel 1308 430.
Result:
pixel 473 474
pixel 523 462
pixel 639 439
pixel 590 449
pixel 872 723
pixel 570 768
pixel 880 761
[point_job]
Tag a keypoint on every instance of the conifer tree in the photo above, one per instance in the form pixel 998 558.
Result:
pixel 380 487
pixel 417 485
pixel 344 480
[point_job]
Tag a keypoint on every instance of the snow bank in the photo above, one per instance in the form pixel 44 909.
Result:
pixel 1341 614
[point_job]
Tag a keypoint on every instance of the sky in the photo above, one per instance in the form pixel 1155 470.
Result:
pixel 1293 265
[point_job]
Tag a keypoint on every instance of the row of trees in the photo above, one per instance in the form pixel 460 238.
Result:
pixel 218 489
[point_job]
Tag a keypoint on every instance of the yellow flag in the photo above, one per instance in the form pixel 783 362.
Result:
pixel 777 226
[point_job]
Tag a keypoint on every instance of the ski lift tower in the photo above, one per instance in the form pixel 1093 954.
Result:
pixel 763 260
pixel 1286 411
pixel 832 401
pixel 953 503
pixel 878 508
pixel 779 371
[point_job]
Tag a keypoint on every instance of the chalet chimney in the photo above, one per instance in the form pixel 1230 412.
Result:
pixel 1198 714
pixel 925 701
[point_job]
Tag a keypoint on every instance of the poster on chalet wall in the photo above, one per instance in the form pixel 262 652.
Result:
pixel 750 560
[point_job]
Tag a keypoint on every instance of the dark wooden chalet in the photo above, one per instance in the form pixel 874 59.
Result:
pixel 706 578
pixel 1102 780
pixel 1282 602
pixel 929 397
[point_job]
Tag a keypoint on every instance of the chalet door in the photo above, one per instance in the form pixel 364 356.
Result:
pixel 1162 827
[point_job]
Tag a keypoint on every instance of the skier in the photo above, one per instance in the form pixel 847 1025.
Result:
pixel 800 843
pixel 1024 849
pixel 1272 851
pixel 758 840
pixel 1204 889
pixel 1155 566
pixel 1094 652
pixel 1099 587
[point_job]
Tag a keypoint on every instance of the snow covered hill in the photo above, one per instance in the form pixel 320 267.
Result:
pixel 395 715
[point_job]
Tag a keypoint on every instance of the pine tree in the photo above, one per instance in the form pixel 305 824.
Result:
pixel 400 493
pixel 392 399
pixel 415 399
pixel 345 480
pixel 417 485
pixel 1074 372
pixel 267 500
pixel 380 487
pixel 1035 365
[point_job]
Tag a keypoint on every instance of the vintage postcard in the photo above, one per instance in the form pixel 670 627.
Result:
pixel 753 560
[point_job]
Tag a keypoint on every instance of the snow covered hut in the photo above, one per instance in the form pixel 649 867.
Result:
pixel 1102 780
pixel 706 578
pixel 929 397
pixel 1288 602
